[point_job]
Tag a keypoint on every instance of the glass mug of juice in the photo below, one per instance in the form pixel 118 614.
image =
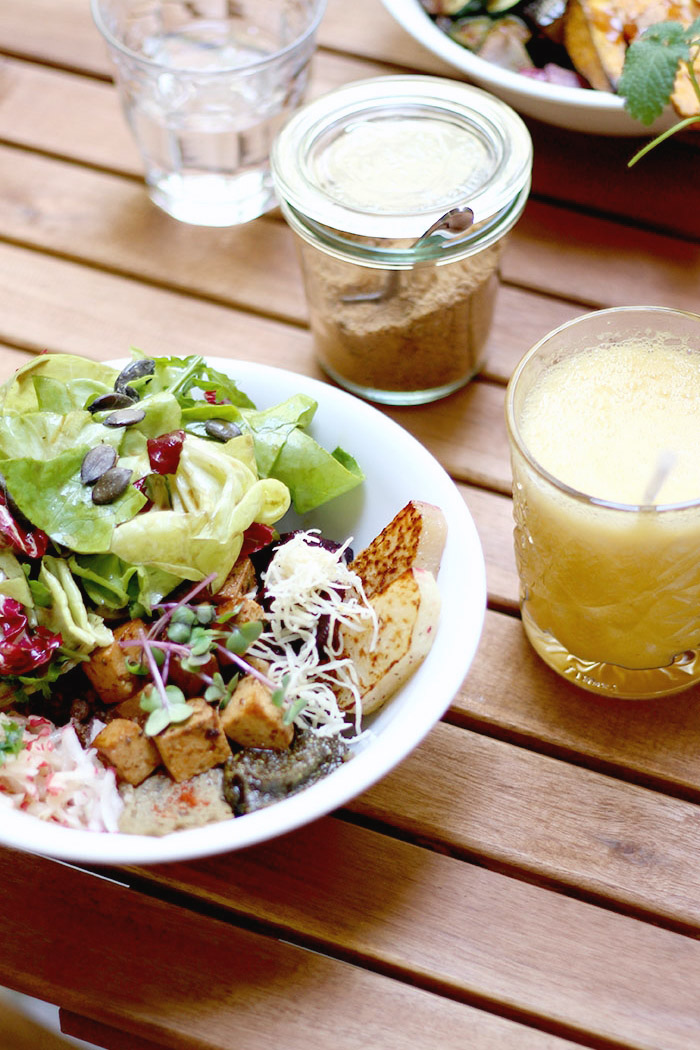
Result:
pixel 603 417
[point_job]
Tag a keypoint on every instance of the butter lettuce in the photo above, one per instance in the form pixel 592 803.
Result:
pixel 111 583
pixel 81 630
pixel 112 557
pixel 13 581
pixel 215 497
pixel 77 381
pixel 52 496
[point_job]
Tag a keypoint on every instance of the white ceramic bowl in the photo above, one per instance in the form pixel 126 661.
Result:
pixel 398 468
pixel 579 109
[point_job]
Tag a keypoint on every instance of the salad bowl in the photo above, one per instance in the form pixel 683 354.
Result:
pixel 397 469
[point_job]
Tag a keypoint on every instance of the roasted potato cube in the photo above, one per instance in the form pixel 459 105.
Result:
pixel 123 745
pixel 192 747
pixel 107 668
pixel 251 719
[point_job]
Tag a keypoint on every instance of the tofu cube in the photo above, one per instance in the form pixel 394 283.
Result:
pixel 239 582
pixel 192 747
pixel 124 746
pixel 107 668
pixel 190 682
pixel 132 709
pixel 251 719
pixel 245 610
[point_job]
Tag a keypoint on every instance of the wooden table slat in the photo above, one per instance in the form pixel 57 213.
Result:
pixel 557 822
pixel 196 983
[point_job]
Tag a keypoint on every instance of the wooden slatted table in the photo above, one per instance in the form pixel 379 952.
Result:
pixel 528 878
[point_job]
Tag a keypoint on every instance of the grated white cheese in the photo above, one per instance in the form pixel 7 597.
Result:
pixel 305 581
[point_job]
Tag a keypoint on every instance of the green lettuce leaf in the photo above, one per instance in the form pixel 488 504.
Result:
pixel 81 378
pixel 312 474
pixel 215 497
pixel 111 583
pixel 81 630
pixel 52 496
pixel 44 435
pixel 13 581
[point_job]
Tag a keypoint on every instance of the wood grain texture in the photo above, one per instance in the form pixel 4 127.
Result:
pixel 568 166
pixel 110 222
pixel 556 822
pixel 511 692
pixel 102 1035
pixel 460 927
pixel 189 982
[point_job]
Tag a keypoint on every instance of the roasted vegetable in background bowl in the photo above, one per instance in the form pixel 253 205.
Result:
pixel 568 42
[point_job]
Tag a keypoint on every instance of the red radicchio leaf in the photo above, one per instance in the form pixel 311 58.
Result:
pixel 30 541
pixel 255 537
pixel 164 452
pixel 21 650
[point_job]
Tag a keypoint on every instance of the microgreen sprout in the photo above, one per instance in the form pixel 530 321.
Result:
pixel 194 634
pixel 652 63
pixel 166 704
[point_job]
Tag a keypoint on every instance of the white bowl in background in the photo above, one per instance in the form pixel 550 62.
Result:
pixel 578 109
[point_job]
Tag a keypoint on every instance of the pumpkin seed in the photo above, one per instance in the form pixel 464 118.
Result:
pixel 134 370
pixel 222 429
pixel 110 485
pixel 96 462
pixel 107 402
pixel 125 417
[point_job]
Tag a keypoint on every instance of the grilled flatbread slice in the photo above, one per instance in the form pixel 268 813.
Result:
pixel 414 537
pixel 407 611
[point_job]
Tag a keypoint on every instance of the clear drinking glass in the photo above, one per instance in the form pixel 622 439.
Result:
pixel 604 431
pixel 205 86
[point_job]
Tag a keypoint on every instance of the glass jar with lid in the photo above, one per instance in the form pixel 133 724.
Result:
pixel 401 315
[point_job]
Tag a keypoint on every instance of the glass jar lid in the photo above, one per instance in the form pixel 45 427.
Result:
pixel 387 157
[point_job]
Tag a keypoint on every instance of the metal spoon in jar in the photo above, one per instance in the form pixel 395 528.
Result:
pixel 454 221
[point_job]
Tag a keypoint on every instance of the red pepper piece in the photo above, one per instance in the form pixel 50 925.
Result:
pixel 255 537
pixel 164 452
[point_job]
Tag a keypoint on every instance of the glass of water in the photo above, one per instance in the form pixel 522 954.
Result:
pixel 206 85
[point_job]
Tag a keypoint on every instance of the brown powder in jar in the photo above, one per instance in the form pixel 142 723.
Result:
pixel 430 333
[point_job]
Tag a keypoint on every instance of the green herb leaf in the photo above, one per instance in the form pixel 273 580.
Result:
pixel 279 693
pixel 179 633
pixel 150 700
pixel 10 740
pixel 157 721
pixel 243 636
pixel 649 73
pixel 293 710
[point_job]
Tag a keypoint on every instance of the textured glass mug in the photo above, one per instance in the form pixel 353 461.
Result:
pixel 205 87
pixel 609 591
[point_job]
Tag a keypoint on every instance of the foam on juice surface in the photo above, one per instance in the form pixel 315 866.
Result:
pixel 601 421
